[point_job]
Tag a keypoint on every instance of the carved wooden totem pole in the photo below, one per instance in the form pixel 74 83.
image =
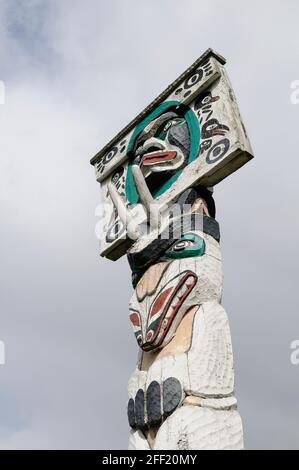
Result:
pixel 157 177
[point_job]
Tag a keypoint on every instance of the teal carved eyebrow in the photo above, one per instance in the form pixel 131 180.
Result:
pixel 187 246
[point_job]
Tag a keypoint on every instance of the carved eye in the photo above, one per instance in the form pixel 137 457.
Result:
pixel 149 335
pixel 211 127
pixel 139 339
pixel 189 245
pixel 206 99
pixel 182 245
pixel 162 132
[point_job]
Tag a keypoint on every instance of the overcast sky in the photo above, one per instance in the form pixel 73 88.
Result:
pixel 76 71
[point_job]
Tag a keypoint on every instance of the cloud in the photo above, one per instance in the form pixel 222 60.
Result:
pixel 75 73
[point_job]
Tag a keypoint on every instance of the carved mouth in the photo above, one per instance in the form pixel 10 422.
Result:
pixel 218 132
pixel 157 157
pixel 170 304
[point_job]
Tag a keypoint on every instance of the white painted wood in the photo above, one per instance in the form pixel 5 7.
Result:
pixel 196 428
pixel 219 403
pixel 176 366
pixel 138 441
pixel 205 370
pixel 210 358
pixel 133 383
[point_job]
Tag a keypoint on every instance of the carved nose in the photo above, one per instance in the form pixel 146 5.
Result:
pixel 150 280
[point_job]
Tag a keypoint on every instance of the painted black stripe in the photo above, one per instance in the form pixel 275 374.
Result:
pixel 139 408
pixel 131 413
pixel 153 402
pixel 172 394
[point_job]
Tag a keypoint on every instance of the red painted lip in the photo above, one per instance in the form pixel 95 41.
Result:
pixel 157 157
pixel 218 132
pixel 150 344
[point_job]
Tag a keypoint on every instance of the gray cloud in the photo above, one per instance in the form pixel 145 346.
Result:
pixel 76 72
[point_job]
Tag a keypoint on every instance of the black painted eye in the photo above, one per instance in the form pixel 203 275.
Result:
pixel 206 99
pixel 139 339
pixel 211 127
pixel 182 245
pixel 189 245
pixel 111 154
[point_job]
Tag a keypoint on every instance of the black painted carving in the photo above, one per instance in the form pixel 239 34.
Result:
pixel 205 145
pixel 187 197
pixel 153 403
pixel 208 68
pixel 212 128
pixel 172 395
pixel 203 105
pixel 131 413
pixel 218 151
pixel 118 179
pixel 111 154
pixel 205 100
pixel 139 409
pixel 195 78
pixel 115 231
pixel 179 136
pixel 141 261
pixel 116 227
pixel 178 91
pixel 100 166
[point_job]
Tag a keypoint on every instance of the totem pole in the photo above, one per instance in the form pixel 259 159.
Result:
pixel 157 178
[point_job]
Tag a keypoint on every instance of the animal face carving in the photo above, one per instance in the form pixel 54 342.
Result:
pixel 188 273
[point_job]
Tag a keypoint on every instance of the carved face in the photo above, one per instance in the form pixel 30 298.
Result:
pixel 162 145
pixel 188 273
pixel 162 148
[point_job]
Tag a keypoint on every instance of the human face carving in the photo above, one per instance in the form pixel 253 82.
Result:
pixel 162 148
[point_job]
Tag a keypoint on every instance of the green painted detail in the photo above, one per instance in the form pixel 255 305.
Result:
pixel 194 131
pixel 187 246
